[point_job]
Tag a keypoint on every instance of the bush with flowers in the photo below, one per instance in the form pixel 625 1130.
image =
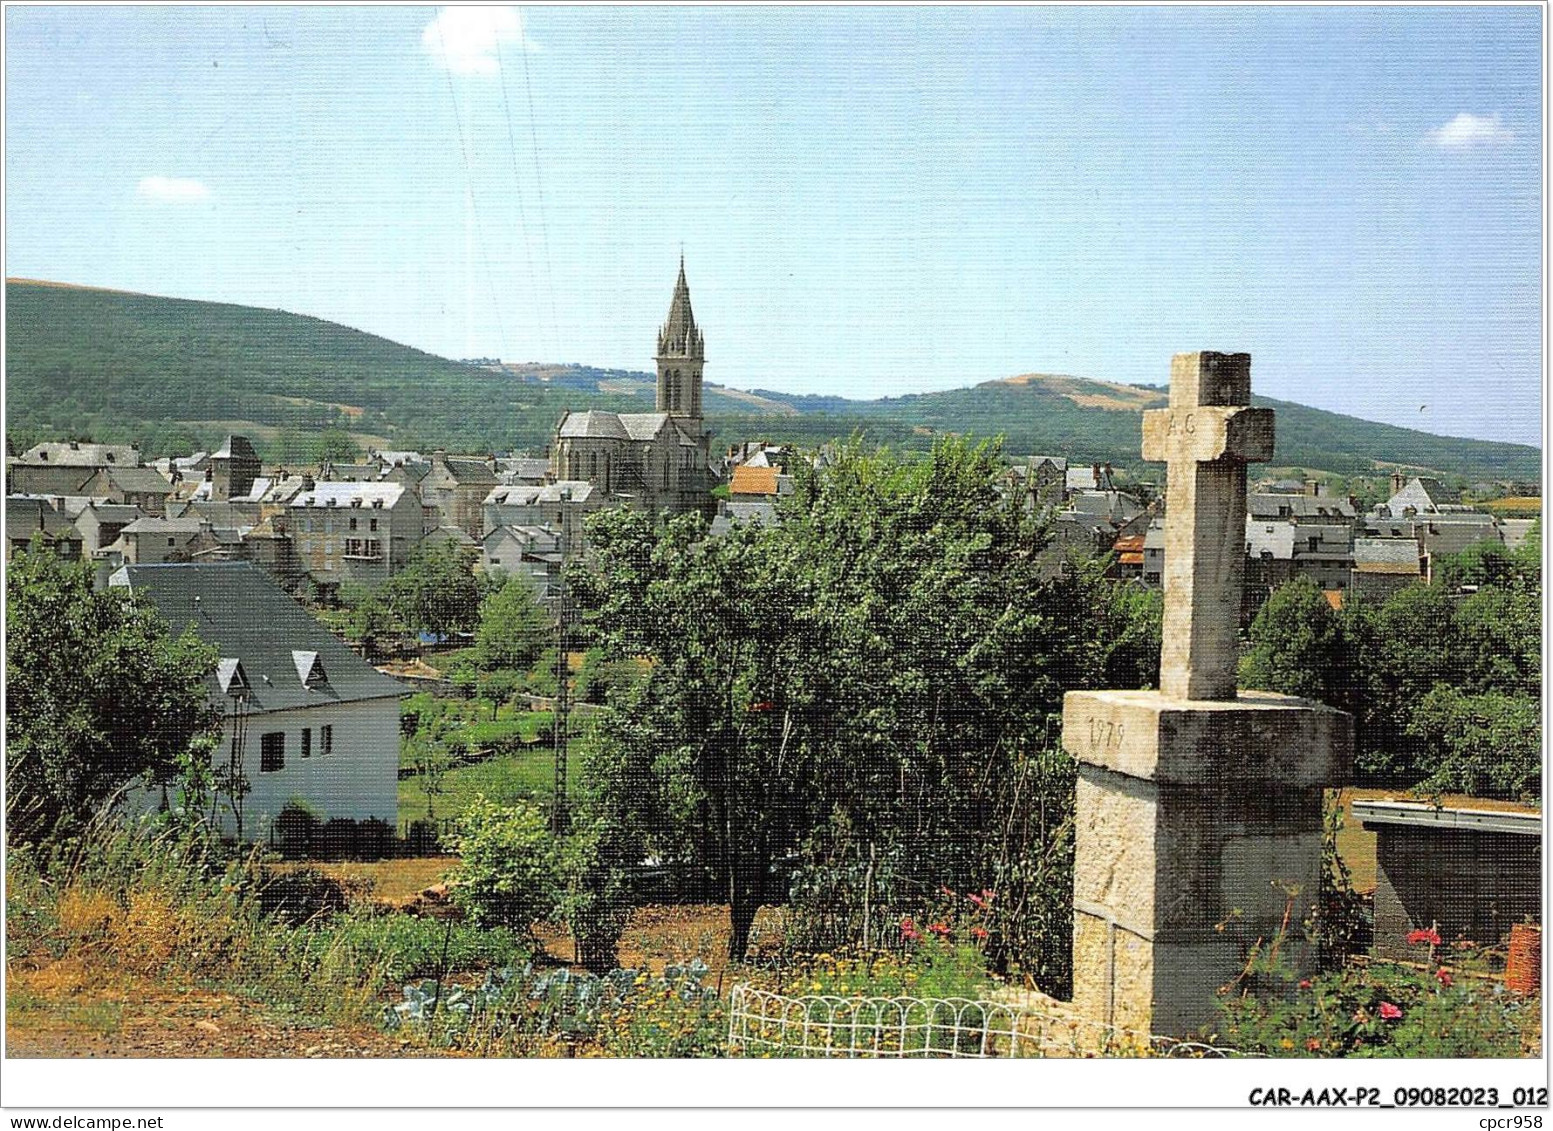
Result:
pixel 1379 1009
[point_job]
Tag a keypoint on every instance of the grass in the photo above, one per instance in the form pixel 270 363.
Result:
pixel 528 776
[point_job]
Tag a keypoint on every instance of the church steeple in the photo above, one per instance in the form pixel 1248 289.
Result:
pixel 681 354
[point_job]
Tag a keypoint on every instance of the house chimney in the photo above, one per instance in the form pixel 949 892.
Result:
pixel 1312 489
pixel 1398 481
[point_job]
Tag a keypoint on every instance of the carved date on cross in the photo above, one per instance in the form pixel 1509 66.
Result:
pixel 1106 734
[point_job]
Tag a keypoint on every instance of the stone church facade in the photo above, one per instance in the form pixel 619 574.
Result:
pixel 650 460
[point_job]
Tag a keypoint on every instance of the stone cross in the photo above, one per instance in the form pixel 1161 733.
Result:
pixel 1206 437
pixel 1197 810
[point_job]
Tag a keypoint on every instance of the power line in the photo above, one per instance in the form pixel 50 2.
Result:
pixel 517 183
pixel 539 188
pixel 469 180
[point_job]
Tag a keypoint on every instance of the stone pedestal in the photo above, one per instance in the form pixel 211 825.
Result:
pixel 1198 830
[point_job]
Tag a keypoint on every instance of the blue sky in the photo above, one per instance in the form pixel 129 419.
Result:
pixel 871 201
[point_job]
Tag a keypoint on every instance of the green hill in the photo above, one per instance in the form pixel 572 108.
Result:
pixel 175 374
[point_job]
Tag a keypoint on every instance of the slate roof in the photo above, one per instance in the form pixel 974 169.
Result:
pixel 537 538
pixel 114 512
pixel 150 525
pixel 69 454
pixel 236 447
pixel 141 480
pixel 567 491
pixel 1115 506
pixel 523 467
pixel 235 606
pixel 467 472
pixel 25 514
pixel 446 533
pixel 1266 505
pixel 643 425
pixel 593 424
pixel 342 495
pixel 1385 555
pixel 390 458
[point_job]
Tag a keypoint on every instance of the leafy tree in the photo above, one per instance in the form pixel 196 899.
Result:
pixel 1488 744
pixel 437 591
pixel 859 685
pixel 99 695
pixel 508 868
pixel 369 620
pixel 1298 647
pixel 513 629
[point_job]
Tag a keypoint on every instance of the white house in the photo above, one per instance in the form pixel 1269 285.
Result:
pixel 305 717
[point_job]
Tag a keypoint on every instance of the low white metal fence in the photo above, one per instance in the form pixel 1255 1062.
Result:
pixel 766 1024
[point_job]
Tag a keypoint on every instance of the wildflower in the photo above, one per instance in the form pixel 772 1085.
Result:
pixel 983 901
pixel 979 932
pixel 1313 1045
pixel 940 929
pixel 945 891
pixel 1361 1017
pixel 1428 935
pixel 1443 976
pixel 909 930
pixel 1304 983
pixel 1389 1012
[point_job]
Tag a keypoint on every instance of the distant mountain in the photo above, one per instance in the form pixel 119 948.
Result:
pixel 175 374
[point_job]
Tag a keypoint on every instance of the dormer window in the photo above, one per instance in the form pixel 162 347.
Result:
pixel 231 677
pixel 310 669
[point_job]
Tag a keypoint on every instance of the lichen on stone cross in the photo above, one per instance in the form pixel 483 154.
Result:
pixel 1205 438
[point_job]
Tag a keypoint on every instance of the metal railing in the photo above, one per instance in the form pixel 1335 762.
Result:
pixel 766 1024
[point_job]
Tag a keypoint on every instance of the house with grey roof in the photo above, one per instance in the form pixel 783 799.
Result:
pixel 354 531
pixel 65 468
pixel 1381 566
pixel 457 486
pixel 533 552
pixel 101 523
pixel 153 540
pixel 143 487
pixel 304 718
pixel 31 520
pixel 563 507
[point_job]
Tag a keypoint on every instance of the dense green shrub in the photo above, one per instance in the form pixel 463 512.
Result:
pixel 508 869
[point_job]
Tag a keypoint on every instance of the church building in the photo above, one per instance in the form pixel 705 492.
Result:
pixel 649 460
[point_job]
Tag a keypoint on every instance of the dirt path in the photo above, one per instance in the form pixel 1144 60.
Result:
pixel 60 1008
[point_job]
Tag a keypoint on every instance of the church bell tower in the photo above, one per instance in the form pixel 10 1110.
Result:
pixel 681 354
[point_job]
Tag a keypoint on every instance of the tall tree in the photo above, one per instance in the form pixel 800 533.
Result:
pixel 437 591
pixel 514 628
pixel 98 694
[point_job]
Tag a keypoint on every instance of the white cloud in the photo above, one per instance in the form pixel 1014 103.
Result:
pixel 172 190
pixel 466 40
pixel 1466 131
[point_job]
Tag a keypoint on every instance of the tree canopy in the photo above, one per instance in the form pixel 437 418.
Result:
pixel 98 694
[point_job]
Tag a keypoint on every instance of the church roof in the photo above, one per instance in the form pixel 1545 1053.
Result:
pixel 594 424
pixel 643 425
pixel 679 336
